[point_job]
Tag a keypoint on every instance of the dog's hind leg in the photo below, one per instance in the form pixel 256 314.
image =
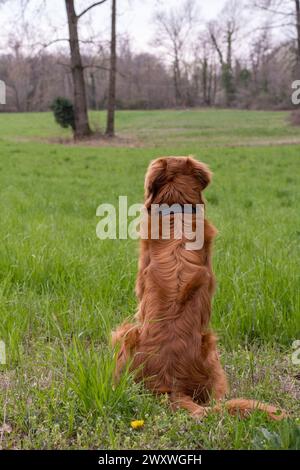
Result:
pixel 126 336
pixel 180 400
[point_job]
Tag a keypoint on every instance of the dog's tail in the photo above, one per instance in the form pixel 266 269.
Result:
pixel 244 407
pixel 237 406
pixel 126 336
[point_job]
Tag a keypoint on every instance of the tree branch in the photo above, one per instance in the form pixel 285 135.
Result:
pixel 106 69
pixel 272 10
pixel 50 43
pixel 215 43
pixel 90 7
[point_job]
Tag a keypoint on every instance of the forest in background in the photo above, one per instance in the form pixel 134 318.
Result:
pixel 218 63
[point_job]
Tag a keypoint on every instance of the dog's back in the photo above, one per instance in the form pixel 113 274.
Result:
pixel 175 351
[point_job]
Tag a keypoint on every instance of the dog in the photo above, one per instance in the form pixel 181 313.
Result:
pixel 170 346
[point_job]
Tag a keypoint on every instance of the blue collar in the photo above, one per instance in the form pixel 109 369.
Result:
pixel 177 209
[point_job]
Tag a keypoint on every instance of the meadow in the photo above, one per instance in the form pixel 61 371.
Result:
pixel 62 289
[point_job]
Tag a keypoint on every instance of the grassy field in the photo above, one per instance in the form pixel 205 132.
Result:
pixel 62 289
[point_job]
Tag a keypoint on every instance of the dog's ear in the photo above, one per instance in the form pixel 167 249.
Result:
pixel 201 171
pixel 155 179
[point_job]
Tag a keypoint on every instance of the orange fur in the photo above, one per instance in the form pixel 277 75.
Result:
pixel 170 345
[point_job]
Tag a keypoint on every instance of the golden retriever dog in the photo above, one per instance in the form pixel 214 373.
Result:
pixel 170 346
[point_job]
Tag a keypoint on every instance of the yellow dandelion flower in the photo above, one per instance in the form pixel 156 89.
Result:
pixel 138 423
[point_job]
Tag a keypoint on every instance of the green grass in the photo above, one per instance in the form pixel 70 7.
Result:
pixel 62 289
pixel 168 128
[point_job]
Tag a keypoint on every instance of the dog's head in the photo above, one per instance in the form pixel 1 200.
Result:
pixel 176 180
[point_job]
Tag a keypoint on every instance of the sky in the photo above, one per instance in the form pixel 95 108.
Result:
pixel 135 17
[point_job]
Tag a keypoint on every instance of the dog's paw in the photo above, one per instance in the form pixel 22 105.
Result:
pixel 200 414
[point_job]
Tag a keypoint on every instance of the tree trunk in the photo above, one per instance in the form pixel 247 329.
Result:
pixel 205 81
pixel 298 32
pixel 82 128
pixel 93 94
pixel 176 79
pixel 111 105
pixel 228 79
pixel 214 85
pixel 229 49
pixel 210 97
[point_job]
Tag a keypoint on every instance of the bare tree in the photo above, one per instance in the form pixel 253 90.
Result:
pixel 223 33
pixel 297 4
pixel 174 29
pixel 284 14
pixel 110 125
pixel 260 55
pixel 82 128
pixel 205 68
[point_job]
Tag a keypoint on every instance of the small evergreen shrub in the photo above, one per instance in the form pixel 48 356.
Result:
pixel 63 111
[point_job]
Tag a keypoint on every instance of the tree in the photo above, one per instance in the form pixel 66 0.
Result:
pixel 297 4
pixel 82 128
pixel 174 29
pixel 285 14
pixel 223 34
pixel 205 68
pixel 110 125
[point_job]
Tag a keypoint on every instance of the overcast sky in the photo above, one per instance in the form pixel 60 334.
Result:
pixel 134 17
pixel 137 17
pixel 47 21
